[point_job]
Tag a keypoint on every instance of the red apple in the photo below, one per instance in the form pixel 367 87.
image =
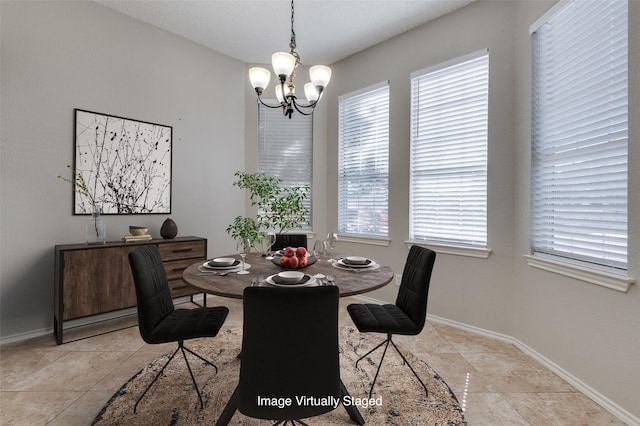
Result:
pixel 288 252
pixel 293 262
pixel 301 252
pixel 284 261
pixel 303 261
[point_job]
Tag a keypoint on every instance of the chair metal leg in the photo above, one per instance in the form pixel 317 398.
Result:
pixel 135 407
pixel 365 355
pixel 387 341
pixel 193 379
pixel 379 365
pixel 205 360
pixel 411 368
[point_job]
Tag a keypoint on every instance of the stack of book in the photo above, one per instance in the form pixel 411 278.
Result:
pixel 136 238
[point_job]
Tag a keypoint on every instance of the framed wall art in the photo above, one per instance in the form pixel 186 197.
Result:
pixel 125 165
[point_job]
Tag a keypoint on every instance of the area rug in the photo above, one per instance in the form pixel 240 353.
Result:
pixel 172 400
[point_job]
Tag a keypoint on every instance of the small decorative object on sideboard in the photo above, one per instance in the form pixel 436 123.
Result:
pixel 169 229
pixel 96 233
pixel 138 233
pixel 96 228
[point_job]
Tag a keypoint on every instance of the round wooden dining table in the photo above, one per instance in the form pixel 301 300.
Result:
pixel 349 281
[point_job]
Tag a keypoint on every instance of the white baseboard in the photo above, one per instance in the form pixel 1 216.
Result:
pixel 80 322
pixel 587 390
pixel 25 336
pixel 574 381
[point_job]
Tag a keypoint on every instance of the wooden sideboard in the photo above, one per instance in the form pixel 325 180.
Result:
pixel 95 279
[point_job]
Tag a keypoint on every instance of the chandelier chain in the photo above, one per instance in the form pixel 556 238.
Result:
pixel 292 43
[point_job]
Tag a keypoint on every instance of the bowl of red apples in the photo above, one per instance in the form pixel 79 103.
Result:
pixel 294 258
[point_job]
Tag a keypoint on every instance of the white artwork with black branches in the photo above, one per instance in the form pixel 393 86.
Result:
pixel 126 165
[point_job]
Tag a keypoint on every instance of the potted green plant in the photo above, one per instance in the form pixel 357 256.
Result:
pixel 279 207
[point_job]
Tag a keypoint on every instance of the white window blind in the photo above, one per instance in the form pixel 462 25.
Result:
pixel 448 198
pixel 579 133
pixel 285 148
pixel 363 162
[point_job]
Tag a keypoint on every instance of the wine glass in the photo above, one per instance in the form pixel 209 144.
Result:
pixel 243 246
pixel 271 240
pixel 319 249
pixel 332 240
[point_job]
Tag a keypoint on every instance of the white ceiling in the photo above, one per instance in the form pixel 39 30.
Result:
pixel 251 30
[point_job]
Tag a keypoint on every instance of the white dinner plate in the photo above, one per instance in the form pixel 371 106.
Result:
pixel 236 265
pixel 311 283
pixel 372 267
pixel 372 264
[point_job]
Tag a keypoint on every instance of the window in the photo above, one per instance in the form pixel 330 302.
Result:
pixel 285 148
pixel 448 177
pixel 579 133
pixel 363 162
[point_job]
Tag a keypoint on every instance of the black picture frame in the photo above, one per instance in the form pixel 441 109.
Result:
pixel 125 165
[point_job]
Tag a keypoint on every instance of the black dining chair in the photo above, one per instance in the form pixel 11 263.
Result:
pixel 159 321
pixel 407 316
pixel 289 240
pixel 289 350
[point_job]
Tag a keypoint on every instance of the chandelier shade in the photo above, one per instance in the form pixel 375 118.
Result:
pixel 320 75
pixel 284 65
pixel 259 78
pixel 311 92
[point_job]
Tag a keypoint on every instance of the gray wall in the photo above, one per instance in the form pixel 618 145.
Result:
pixel 588 331
pixel 57 56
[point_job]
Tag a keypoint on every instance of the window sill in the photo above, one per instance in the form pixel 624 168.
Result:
pixel 481 253
pixel 602 278
pixel 375 241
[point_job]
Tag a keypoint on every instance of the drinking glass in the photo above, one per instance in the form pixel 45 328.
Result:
pixel 319 249
pixel 243 246
pixel 271 240
pixel 332 240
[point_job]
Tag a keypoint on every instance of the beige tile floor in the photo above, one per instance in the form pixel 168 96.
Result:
pixel 42 383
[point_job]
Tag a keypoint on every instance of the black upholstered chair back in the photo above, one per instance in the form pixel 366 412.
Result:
pixel 414 287
pixel 289 240
pixel 160 322
pixel 152 289
pixel 289 349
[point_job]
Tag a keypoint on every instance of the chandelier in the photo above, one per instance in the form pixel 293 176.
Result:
pixel 284 65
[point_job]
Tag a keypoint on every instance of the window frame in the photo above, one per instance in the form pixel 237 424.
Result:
pixel 479 249
pixel 349 234
pixel 607 273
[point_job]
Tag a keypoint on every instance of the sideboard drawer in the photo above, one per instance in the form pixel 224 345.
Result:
pixel 183 250
pixel 174 269
pixel 179 288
